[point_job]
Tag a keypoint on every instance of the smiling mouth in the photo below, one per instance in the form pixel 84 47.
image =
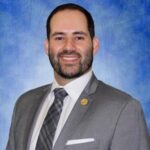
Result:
pixel 71 57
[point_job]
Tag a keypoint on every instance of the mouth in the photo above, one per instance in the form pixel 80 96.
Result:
pixel 70 58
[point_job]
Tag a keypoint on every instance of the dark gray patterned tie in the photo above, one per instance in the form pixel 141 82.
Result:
pixel 47 132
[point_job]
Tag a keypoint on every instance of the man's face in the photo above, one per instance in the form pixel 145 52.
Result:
pixel 70 47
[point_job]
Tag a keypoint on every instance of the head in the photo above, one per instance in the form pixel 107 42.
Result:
pixel 70 42
pixel 71 6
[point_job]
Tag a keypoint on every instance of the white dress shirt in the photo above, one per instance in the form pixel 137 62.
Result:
pixel 74 90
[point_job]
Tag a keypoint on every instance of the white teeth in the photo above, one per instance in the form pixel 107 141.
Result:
pixel 70 57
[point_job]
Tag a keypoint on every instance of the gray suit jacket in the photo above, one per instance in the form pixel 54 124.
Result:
pixel 112 120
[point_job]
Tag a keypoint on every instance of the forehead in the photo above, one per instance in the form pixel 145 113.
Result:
pixel 69 19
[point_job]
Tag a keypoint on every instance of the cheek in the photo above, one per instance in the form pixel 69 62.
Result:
pixel 52 50
pixel 86 50
pixel 55 48
pixel 53 53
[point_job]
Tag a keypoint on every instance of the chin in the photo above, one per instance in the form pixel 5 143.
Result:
pixel 71 75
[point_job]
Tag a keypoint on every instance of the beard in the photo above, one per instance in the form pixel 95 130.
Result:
pixel 71 71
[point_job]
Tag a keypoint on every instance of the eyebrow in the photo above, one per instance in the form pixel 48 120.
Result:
pixel 80 33
pixel 74 33
pixel 57 33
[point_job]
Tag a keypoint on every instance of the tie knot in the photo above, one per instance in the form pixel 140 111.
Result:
pixel 60 93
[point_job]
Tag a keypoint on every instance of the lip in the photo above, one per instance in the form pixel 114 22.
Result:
pixel 70 57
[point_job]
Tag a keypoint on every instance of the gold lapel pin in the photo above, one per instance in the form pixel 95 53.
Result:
pixel 84 102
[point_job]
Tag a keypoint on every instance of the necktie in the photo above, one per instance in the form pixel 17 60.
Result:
pixel 47 132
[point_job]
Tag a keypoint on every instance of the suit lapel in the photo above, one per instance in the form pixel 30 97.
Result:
pixel 76 115
pixel 33 113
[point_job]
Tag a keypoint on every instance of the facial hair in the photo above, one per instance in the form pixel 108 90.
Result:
pixel 83 66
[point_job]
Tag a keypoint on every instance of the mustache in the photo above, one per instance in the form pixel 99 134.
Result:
pixel 68 52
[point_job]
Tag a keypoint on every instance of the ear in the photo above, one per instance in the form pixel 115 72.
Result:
pixel 96 45
pixel 46 46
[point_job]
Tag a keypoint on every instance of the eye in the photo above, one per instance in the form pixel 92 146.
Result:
pixel 79 38
pixel 59 38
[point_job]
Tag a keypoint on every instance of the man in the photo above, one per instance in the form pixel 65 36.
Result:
pixel 88 115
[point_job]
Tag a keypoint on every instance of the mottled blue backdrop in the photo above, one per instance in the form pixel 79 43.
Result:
pixel 123 27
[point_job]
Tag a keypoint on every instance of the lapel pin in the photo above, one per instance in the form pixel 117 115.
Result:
pixel 84 102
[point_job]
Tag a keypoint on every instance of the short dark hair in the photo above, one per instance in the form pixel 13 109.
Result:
pixel 72 6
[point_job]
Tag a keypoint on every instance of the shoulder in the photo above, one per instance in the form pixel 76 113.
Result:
pixel 114 96
pixel 34 91
pixel 33 95
pixel 110 90
pixel 113 103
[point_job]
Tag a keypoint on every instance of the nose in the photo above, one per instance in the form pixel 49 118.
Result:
pixel 69 44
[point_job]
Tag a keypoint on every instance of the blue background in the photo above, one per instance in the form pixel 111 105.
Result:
pixel 123 27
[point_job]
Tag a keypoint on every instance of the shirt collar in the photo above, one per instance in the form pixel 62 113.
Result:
pixel 75 87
